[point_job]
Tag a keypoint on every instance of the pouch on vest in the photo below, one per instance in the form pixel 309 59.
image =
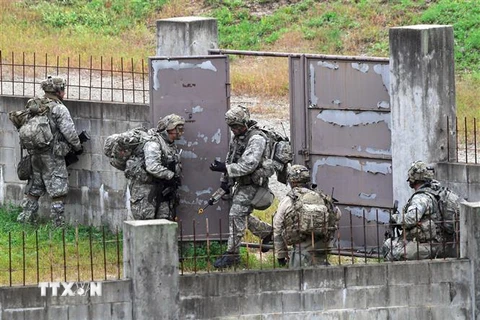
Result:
pixel 24 168
pixel 263 199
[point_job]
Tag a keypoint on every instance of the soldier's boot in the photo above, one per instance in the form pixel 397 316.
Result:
pixel 57 214
pixel 29 210
pixel 227 260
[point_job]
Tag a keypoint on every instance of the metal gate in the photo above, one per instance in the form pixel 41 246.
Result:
pixel 340 122
pixel 198 89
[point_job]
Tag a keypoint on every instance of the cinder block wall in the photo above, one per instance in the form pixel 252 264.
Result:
pixel 406 290
pixel 115 303
pixel 462 178
pixel 98 193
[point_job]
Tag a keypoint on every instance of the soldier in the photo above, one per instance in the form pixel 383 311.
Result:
pixel 422 236
pixel 155 171
pixel 49 170
pixel 244 169
pixel 306 252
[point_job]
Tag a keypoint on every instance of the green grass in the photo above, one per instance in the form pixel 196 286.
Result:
pixel 29 254
pixel 127 28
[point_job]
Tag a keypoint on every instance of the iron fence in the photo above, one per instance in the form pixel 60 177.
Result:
pixel 463 144
pixel 88 78
pixel 31 257
pixel 199 252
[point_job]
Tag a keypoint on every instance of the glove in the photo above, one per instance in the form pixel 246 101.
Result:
pixel 218 166
pixel 282 262
pixel 224 185
pixel 79 152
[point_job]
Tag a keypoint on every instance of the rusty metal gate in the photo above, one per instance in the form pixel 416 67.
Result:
pixel 340 124
pixel 198 89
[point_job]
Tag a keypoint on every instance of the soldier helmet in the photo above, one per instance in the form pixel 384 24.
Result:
pixel 170 122
pixel 237 115
pixel 53 84
pixel 298 174
pixel 419 171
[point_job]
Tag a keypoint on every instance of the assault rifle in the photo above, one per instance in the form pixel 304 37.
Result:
pixel 72 156
pixel 166 190
pixel 394 228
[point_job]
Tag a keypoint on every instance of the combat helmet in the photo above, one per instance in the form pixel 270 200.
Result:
pixel 298 174
pixel 237 115
pixel 419 171
pixel 53 84
pixel 170 122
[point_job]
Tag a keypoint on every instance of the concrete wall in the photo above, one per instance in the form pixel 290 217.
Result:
pixel 413 290
pixel 462 178
pixel 186 36
pixel 26 303
pixel 422 96
pixel 98 194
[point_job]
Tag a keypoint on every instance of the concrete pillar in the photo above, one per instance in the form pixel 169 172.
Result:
pixel 422 96
pixel 470 247
pixel 186 36
pixel 150 252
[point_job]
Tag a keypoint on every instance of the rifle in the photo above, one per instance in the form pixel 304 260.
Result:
pixel 393 231
pixel 165 190
pixel 72 156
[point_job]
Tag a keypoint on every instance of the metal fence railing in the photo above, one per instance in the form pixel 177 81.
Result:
pixel 198 254
pixel 464 145
pixel 48 255
pixel 88 78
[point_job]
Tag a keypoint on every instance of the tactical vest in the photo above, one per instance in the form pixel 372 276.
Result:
pixel 428 226
pixel 313 212
pixel 237 149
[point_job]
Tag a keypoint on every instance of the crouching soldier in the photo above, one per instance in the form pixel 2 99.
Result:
pixel 425 229
pixel 305 219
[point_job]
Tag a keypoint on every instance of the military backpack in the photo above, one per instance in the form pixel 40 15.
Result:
pixel 313 212
pixel 448 206
pixel 34 123
pixel 280 153
pixel 121 146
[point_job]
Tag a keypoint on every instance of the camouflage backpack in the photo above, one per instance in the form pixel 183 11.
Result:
pixel 448 206
pixel 34 123
pixel 281 153
pixel 119 147
pixel 313 212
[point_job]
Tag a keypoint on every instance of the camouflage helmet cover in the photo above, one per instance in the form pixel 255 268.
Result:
pixel 419 171
pixel 53 84
pixel 170 122
pixel 299 174
pixel 237 115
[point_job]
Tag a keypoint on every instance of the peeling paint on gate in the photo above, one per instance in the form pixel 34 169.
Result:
pixel 365 166
pixel 370 213
pixel 362 67
pixel 351 118
pixel 217 137
pixel 197 109
pixel 158 65
pixel 366 196
pixel 384 71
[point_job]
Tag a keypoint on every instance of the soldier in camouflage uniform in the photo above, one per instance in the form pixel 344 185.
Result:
pixel 244 169
pixel 154 172
pixel 48 163
pixel 419 222
pixel 308 252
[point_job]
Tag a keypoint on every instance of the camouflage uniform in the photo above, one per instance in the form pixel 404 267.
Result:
pixel 311 251
pixel 420 218
pixel 245 156
pixel 150 164
pixel 48 164
pixel 245 169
